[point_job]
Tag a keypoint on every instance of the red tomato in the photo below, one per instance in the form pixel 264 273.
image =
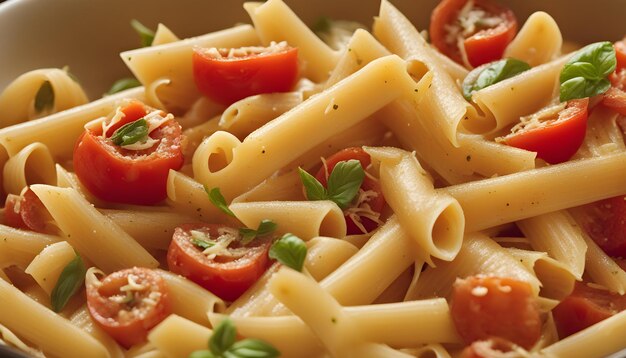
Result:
pixel 247 71
pixel 605 223
pixel 483 40
pixel 584 307
pixel 120 175
pixel 26 212
pixel 375 203
pixel 494 347
pixel 556 139
pixel 615 97
pixel 128 315
pixel 620 53
pixel 226 276
pixel 485 307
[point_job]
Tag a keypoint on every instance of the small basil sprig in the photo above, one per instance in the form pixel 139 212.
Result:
pixel 217 199
pixel 145 34
pixel 130 133
pixel 222 344
pixel 265 227
pixel 70 280
pixel 44 99
pixel 343 183
pixel 585 74
pixel 123 84
pixel 290 251
pixel 492 73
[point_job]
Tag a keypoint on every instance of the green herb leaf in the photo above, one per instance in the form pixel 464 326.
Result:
pixel 130 133
pixel 490 74
pixel 585 74
pixel 146 35
pixel 217 199
pixel 123 84
pixel 70 280
pixel 314 189
pixel 344 182
pixel 322 25
pixel 205 353
pixel 44 99
pixel 202 243
pixel 253 348
pixel 223 337
pixel 290 251
pixel 266 227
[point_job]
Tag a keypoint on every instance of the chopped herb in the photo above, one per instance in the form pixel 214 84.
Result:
pixel 265 227
pixel 492 73
pixel 322 25
pixel 290 251
pixel 123 84
pixel 222 344
pixel 146 35
pixel 44 99
pixel 202 243
pixel 585 74
pixel 130 133
pixel 70 280
pixel 217 199
pixel 343 183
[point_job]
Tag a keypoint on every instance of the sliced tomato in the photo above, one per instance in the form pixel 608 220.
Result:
pixel 485 307
pixel 26 211
pixel 228 75
pixel 493 347
pixel 227 273
pixel 113 173
pixel 482 28
pixel 584 307
pixel 605 223
pixel 375 201
pixel 620 54
pixel 555 140
pixel 128 303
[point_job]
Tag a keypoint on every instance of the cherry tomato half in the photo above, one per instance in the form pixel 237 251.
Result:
pixel 128 303
pixel 483 28
pixel 113 173
pixel 554 139
pixel 584 307
pixel 605 223
pixel 228 75
pixel 375 201
pixel 228 273
pixel 485 307
pixel 26 212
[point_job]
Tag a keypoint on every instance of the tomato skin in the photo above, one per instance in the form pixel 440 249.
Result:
pixel 605 223
pixel 114 174
pixel 557 141
pixel 376 204
pixel 105 312
pixel 25 212
pixel 486 45
pixel 227 80
pixel 584 307
pixel 485 307
pixel 228 280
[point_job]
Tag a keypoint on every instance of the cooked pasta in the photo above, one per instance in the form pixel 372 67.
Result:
pixel 390 193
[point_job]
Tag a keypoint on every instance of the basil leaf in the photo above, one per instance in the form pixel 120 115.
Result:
pixel 130 133
pixel 290 251
pixel 202 243
pixel 314 189
pixel 265 227
pixel 253 348
pixel 70 280
pixel 585 74
pixel 123 84
pixel 145 34
pixel 217 199
pixel 344 182
pixel 44 99
pixel 202 354
pixel 490 74
pixel 223 337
